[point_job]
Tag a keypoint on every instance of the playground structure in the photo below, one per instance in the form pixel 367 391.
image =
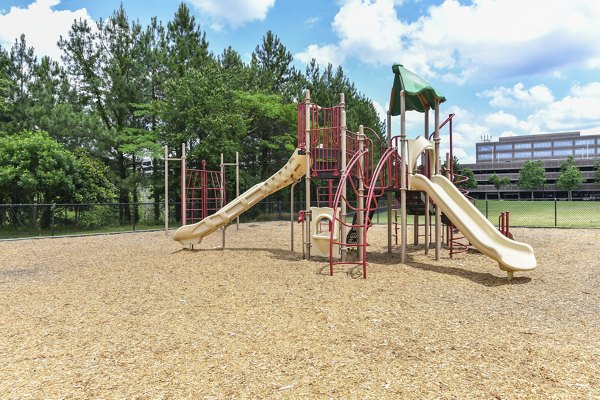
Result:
pixel 357 182
pixel 203 191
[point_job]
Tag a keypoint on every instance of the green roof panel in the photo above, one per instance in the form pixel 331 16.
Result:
pixel 419 93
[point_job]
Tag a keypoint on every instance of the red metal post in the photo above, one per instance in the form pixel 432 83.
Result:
pixel 204 190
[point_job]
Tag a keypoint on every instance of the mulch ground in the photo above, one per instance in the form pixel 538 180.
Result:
pixel 138 316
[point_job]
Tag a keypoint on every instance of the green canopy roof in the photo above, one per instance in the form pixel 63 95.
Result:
pixel 419 93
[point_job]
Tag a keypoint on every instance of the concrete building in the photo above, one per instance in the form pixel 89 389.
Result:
pixel 506 157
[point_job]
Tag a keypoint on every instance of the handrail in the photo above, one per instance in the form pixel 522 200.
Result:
pixel 450 116
pixel 376 135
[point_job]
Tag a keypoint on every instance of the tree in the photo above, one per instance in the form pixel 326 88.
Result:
pixel 187 47
pixel 34 168
pixel 460 173
pixel 531 176
pixel 499 182
pixel 570 177
pixel 154 56
pixel 19 70
pixel 200 110
pixel 4 85
pixel 271 68
pixel 597 172
pixel 470 182
pixel 271 133
pixel 237 75
pixel 107 65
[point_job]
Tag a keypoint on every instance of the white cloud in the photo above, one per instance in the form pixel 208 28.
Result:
pixel 518 96
pixel 580 109
pixel 322 54
pixel 41 25
pixel 233 12
pixel 312 21
pixel 484 39
pixel 502 119
pixel 381 112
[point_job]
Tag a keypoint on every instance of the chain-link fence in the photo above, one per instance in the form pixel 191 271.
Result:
pixel 29 220
pixel 544 213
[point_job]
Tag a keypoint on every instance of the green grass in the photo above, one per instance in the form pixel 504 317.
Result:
pixel 569 214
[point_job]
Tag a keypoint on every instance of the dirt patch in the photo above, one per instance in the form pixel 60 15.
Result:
pixel 138 316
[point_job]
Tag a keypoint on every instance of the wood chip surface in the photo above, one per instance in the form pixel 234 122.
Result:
pixel 137 316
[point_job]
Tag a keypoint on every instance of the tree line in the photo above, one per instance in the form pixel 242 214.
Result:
pixel 76 130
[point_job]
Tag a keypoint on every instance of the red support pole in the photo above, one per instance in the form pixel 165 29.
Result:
pixel 204 190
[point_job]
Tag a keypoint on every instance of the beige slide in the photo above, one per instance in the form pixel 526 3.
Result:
pixel 511 255
pixel 290 173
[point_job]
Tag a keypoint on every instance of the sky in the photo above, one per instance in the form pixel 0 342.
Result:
pixel 509 67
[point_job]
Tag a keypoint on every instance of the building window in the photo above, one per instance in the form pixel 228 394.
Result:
pixel 584 152
pixel 483 157
pixel 522 145
pixel 541 145
pixel 502 156
pixel 542 153
pixel 501 147
pixel 523 154
pixel 485 148
pixel 584 142
pixel 563 152
pixel 563 143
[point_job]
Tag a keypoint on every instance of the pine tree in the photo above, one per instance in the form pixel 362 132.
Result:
pixel 271 68
pixel 187 47
pixel 107 65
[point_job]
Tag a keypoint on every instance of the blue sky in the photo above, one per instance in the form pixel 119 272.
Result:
pixel 507 67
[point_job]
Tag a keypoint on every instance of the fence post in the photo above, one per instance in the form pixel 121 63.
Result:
pixel 486 208
pixel 555 214
pixel 52 217
pixel 133 215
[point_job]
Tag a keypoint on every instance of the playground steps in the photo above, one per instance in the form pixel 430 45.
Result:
pixel 415 202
